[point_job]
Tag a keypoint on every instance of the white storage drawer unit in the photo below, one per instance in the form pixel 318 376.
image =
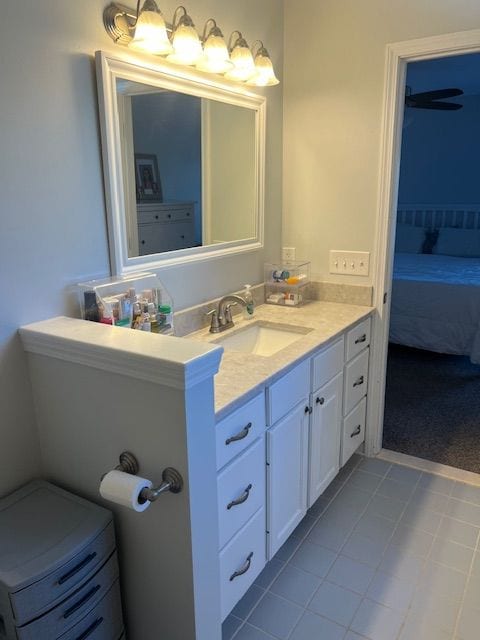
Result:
pixel 238 430
pixel 284 394
pixel 241 490
pixel 353 430
pixel 241 561
pixel 357 339
pixel 57 563
pixel 327 364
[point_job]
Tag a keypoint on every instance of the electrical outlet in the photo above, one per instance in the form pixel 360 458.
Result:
pixel 288 254
pixel 352 263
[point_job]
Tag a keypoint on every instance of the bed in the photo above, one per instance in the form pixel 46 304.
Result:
pixel 436 297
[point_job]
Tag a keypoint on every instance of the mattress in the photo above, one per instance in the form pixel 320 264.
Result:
pixel 436 303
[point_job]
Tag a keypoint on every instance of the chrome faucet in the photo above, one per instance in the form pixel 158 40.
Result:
pixel 222 316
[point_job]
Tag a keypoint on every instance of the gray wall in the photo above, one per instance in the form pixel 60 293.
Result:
pixel 51 197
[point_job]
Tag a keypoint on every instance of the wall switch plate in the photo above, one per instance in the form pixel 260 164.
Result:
pixel 352 263
pixel 288 254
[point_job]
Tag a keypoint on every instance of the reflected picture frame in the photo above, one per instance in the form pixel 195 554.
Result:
pixel 148 186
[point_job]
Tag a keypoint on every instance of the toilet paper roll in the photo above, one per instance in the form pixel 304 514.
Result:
pixel 124 488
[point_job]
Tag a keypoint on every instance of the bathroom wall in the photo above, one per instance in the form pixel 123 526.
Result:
pixel 440 155
pixel 51 198
pixel 333 88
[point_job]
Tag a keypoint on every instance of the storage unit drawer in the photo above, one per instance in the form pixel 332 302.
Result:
pixel 103 622
pixel 241 561
pixel 59 584
pixel 353 431
pixel 358 338
pixel 327 364
pixel 286 393
pixel 70 611
pixel 356 381
pixel 241 490
pixel 238 430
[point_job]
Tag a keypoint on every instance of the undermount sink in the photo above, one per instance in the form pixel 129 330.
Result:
pixel 263 338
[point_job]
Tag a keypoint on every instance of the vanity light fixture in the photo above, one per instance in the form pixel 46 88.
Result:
pixel 181 44
pixel 150 30
pixel 264 74
pixel 187 47
pixel 215 57
pixel 241 58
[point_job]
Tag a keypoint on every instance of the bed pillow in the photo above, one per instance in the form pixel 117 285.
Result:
pixel 458 242
pixel 409 239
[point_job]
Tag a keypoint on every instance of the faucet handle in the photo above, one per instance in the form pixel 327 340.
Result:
pixel 214 324
pixel 228 313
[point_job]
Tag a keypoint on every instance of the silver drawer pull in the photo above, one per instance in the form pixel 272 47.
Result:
pixel 356 432
pixel 241 435
pixel 244 569
pixel 361 339
pixel 243 498
pixel 359 381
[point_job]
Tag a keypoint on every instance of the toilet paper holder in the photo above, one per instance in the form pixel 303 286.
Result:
pixel 171 478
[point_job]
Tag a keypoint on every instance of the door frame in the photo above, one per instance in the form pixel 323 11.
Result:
pixel 397 57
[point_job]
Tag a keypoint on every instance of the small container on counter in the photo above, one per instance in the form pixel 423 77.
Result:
pixel 286 283
pixel 137 301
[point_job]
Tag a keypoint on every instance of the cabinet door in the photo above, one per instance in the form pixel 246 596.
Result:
pixel 287 471
pixel 325 437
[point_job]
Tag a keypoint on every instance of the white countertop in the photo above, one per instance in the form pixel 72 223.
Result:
pixel 242 375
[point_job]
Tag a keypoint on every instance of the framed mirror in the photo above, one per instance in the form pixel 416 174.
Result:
pixel 184 157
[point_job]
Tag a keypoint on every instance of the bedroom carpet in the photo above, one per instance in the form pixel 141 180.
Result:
pixel 432 407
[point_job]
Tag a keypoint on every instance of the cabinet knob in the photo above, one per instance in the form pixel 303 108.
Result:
pixel 359 381
pixel 169 215
pixel 320 400
pixel 361 339
pixel 182 237
pixel 142 242
pixel 156 217
pixel 356 432
pixel 308 410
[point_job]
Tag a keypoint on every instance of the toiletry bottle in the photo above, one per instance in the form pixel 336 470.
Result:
pixel 248 311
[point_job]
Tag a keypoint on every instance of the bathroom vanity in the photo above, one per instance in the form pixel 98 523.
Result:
pixel 256 438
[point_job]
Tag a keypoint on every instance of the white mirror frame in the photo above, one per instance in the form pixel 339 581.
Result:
pixel 187 80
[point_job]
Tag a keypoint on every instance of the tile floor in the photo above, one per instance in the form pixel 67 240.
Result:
pixel 386 553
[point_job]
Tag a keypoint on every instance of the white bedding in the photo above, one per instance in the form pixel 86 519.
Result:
pixel 436 303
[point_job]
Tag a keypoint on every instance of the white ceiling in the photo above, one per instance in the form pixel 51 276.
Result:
pixel 454 71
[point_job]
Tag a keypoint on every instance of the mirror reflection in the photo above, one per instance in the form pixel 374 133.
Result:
pixel 189 169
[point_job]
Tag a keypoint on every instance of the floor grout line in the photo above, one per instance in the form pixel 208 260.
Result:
pixel 467 582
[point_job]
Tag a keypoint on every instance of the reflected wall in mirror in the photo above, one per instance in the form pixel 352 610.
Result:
pixel 186 158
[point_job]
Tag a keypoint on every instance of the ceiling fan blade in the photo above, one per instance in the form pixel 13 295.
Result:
pixel 439 94
pixel 438 106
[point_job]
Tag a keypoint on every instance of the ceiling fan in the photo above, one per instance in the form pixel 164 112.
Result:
pixel 430 99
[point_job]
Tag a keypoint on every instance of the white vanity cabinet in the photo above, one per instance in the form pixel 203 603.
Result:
pixel 288 413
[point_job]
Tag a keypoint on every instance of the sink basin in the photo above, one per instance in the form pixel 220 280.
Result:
pixel 263 338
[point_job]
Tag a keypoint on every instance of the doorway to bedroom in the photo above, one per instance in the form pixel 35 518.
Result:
pixel 432 397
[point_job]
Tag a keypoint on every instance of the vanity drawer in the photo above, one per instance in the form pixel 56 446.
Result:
pixel 327 364
pixel 286 393
pixel 59 584
pixel 70 611
pixel 358 338
pixel 241 490
pixel 356 381
pixel 241 561
pixel 353 431
pixel 238 430
pixel 103 622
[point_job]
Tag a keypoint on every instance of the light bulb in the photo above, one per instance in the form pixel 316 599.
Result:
pixel 215 58
pixel 187 47
pixel 264 73
pixel 242 60
pixel 150 31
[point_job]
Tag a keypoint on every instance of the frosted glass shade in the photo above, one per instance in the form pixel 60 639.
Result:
pixel 151 34
pixel 243 63
pixel 215 58
pixel 187 47
pixel 264 73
